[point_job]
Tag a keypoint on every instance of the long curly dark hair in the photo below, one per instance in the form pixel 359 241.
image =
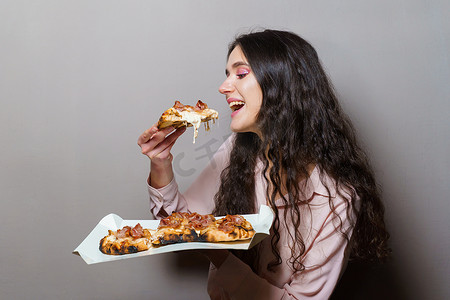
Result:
pixel 301 124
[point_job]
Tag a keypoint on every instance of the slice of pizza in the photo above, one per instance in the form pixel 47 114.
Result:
pixel 185 115
pixel 193 227
pixel 181 227
pixel 228 229
pixel 126 240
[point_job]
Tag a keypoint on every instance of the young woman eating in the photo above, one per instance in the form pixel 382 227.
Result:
pixel 294 150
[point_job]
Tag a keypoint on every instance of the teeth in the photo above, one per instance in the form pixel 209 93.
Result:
pixel 235 103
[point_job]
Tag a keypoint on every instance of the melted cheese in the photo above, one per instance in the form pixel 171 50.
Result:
pixel 193 118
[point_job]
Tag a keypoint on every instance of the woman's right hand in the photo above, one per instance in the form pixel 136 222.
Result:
pixel 156 144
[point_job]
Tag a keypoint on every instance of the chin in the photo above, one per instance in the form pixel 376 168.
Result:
pixel 234 130
pixel 241 130
pixel 237 128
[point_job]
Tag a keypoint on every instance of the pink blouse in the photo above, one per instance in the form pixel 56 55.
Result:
pixel 325 256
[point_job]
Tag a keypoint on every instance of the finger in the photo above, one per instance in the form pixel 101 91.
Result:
pixel 162 152
pixel 155 134
pixel 147 135
pixel 177 133
pixel 165 154
pixel 160 135
pixel 165 133
pixel 169 141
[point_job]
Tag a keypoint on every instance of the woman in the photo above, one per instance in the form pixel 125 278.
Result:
pixel 294 150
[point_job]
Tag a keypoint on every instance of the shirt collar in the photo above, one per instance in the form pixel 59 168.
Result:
pixel 317 184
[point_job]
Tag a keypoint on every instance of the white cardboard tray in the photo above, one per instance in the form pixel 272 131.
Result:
pixel 89 248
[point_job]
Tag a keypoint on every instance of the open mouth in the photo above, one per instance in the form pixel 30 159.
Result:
pixel 236 105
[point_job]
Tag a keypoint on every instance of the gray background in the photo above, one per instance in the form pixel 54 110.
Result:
pixel 80 80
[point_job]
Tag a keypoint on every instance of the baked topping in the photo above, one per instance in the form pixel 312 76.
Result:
pixel 200 106
pixel 137 231
pixel 124 232
pixel 199 222
pixel 170 222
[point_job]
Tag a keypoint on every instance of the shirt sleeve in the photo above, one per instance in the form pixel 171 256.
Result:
pixel 165 200
pixel 199 197
pixel 324 260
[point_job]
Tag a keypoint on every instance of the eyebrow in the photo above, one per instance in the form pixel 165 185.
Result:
pixel 235 65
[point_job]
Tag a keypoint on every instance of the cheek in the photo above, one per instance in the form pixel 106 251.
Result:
pixel 254 94
pixel 257 97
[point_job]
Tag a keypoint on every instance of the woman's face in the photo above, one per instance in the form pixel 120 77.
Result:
pixel 243 93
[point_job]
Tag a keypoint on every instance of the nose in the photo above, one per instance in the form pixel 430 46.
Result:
pixel 226 87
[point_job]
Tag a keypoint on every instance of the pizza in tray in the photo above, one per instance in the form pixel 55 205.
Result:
pixel 192 227
pixel 179 227
pixel 126 240
pixel 228 229
pixel 185 115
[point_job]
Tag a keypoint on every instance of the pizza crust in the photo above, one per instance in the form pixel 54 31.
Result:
pixel 214 235
pixel 116 246
pixel 172 236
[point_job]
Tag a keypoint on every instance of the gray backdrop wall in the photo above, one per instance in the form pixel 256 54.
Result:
pixel 80 80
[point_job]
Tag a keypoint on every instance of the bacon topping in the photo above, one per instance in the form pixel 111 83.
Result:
pixel 189 220
pixel 200 106
pixel 228 223
pixel 226 227
pixel 180 215
pixel 124 232
pixel 200 222
pixel 137 231
pixel 179 106
pixel 237 219
pixel 170 221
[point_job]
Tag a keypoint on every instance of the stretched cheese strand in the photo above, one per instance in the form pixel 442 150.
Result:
pixel 194 119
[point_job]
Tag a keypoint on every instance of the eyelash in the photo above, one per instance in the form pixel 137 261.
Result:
pixel 241 75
